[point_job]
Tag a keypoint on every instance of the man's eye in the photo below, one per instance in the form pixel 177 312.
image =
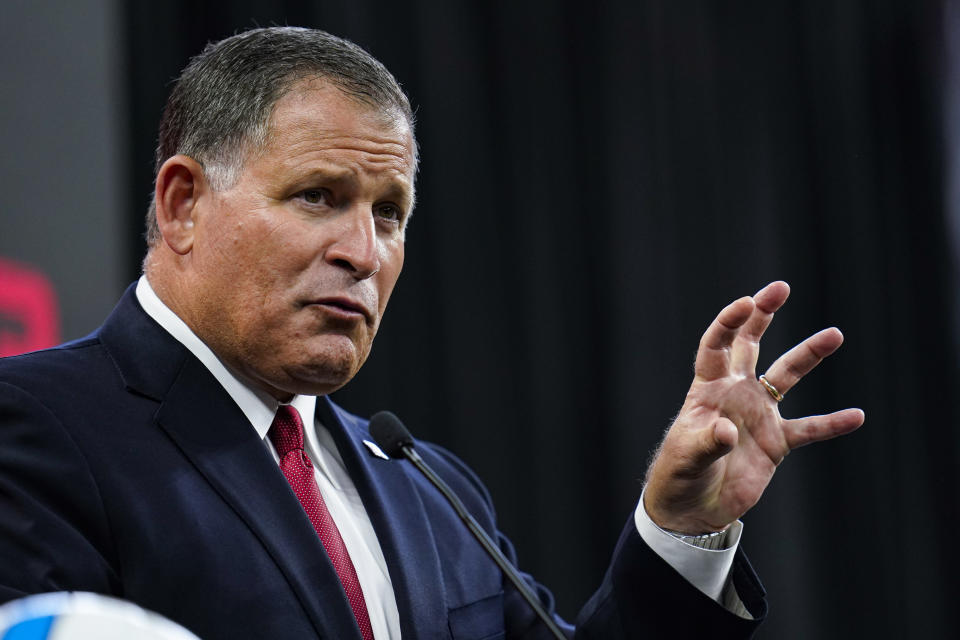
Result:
pixel 389 212
pixel 314 196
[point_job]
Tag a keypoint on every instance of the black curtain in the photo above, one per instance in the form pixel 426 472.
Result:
pixel 597 181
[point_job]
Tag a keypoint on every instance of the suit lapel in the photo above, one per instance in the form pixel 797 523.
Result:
pixel 214 434
pixel 397 513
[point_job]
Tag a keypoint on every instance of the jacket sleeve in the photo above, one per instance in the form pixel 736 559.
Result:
pixel 644 597
pixel 641 596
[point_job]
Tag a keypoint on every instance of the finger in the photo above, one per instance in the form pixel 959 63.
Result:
pixel 767 302
pixel 799 361
pixel 801 431
pixel 713 443
pixel 713 356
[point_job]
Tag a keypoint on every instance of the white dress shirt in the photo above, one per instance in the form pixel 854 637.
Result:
pixel 707 570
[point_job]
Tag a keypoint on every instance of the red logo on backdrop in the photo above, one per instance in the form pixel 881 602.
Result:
pixel 29 317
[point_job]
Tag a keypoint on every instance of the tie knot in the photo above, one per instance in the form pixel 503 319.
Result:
pixel 286 432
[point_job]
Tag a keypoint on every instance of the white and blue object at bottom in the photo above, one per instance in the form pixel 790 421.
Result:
pixel 84 616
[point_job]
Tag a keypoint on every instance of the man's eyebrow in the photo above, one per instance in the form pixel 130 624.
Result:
pixel 328 173
pixel 400 191
pixel 393 188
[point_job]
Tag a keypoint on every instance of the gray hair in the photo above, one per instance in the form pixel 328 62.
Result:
pixel 220 107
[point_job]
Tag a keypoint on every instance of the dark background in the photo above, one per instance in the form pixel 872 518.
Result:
pixel 597 181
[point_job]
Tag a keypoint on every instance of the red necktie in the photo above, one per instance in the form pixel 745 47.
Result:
pixel 286 434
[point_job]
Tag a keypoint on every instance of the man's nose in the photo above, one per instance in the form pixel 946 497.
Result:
pixel 354 246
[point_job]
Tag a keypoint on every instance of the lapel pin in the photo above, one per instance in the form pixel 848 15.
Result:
pixel 375 450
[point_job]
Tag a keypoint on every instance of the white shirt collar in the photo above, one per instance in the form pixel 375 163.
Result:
pixel 257 406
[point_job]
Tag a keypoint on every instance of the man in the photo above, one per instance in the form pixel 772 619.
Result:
pixel 186 457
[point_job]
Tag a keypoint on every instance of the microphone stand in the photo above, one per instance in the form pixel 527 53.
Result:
pixel 399 439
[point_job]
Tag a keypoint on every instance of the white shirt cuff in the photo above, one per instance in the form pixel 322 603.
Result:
pixel 705 569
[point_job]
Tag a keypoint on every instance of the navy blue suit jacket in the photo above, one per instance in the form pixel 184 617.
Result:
pixel 126 469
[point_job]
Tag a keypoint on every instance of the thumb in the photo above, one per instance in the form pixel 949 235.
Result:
pixel 714 443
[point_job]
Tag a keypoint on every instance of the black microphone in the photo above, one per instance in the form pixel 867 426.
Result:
pixel 396 441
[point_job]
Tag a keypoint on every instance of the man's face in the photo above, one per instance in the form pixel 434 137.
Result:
pixel 294 263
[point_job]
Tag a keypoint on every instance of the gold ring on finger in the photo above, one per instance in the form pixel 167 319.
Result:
pixel 772 390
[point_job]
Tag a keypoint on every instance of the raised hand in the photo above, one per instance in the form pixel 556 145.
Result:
pixel 729 437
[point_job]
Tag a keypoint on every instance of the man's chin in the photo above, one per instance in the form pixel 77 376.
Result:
pixel 325 371
pixel 316 368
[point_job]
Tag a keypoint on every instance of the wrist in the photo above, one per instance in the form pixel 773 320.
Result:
pixel 680 526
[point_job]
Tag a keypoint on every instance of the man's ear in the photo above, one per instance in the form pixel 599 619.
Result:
pixel 180 183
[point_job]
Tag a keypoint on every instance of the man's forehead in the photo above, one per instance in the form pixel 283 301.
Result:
pixel 317 129
pixel 321 108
